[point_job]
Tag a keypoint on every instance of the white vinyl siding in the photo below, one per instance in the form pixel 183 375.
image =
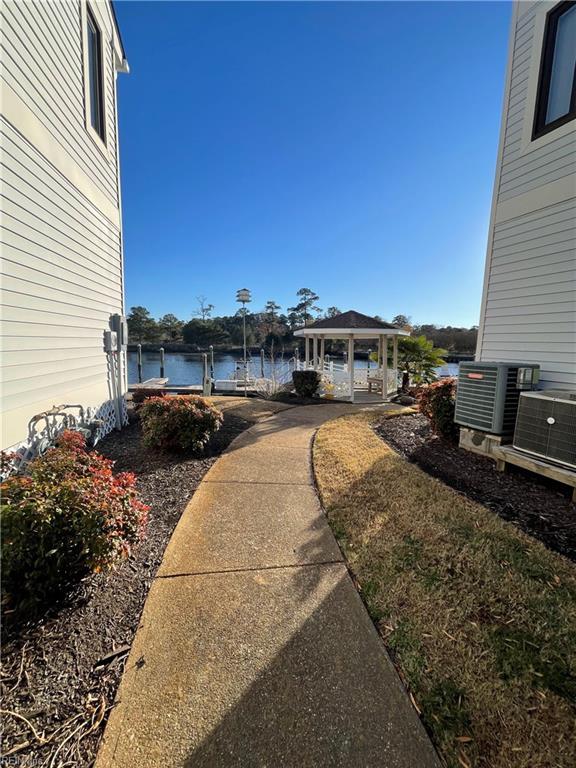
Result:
pixel 43 64
pixel 523 171
pixel 530 312
pixel 529 304
pixel 60 234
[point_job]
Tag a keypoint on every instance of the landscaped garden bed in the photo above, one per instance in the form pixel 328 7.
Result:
pixel 540 507
pixel 60 673
pixel 479 618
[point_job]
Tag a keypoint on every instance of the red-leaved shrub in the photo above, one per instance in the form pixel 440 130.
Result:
pixel 68 516
pixel 437 402
pixel 181 423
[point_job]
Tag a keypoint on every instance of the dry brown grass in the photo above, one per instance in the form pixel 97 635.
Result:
pixel 480 618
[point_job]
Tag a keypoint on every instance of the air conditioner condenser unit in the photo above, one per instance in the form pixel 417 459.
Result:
pixel 487 394
pixel 546 426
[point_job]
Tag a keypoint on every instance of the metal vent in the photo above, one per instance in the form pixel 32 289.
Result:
pixel 487 396
pixel 546 425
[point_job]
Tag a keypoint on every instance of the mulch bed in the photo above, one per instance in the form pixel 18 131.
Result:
pixel 60 675
pixel 538 506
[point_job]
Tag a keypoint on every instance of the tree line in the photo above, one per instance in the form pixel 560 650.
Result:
pixel 270 327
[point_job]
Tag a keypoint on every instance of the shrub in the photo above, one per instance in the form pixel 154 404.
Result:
pixel 8 463
pixel 143 393
pixel 68 516
pixel 181 423
pixel 306 383
pixel 437 403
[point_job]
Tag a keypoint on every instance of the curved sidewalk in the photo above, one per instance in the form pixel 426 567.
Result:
pixel 254 648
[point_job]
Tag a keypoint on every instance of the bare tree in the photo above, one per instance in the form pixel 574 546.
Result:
pixel 204 310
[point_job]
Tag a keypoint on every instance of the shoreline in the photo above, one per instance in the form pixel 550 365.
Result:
pixel 179 347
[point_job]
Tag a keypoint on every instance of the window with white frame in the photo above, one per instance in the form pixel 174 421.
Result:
pixel 556 98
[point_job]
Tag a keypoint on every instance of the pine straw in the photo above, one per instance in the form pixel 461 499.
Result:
pixel 479 618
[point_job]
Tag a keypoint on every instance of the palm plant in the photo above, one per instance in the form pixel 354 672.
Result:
pixel 417 359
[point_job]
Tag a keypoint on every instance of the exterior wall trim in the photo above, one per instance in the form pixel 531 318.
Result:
pixel 15 111
pixel 536 199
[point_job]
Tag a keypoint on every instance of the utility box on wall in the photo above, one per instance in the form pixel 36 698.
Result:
pixel 487 394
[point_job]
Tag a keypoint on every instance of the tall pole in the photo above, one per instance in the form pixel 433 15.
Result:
pixel 139 357
pixel 206 381
pixel 244 328
pixel 212 384
pixel 243 297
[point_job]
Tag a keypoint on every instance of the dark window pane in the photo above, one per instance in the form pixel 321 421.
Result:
pixel 556 102
pixel 96 106
pixel 563 64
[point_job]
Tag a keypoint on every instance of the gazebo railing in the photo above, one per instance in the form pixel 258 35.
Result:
pixel 326 367
pixel 337 376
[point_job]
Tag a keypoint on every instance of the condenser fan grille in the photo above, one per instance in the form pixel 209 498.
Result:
pixel 476 397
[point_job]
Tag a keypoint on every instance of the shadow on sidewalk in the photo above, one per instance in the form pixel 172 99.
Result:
pixel 330 697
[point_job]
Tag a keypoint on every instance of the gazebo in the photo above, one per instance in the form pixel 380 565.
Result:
pixel 351 326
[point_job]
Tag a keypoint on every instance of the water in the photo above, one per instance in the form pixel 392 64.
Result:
pixel 183 368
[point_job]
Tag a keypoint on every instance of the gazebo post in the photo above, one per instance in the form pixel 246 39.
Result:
pixel 351 365
pixel 322 352
pixel 395 357
pixel 315 352
pixel 385 368
pixel 306 352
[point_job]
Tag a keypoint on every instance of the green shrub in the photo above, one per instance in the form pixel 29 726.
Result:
pixel 306 383
pixel 437 403
pixel 143 393
pixel 68 516
pixel 182 423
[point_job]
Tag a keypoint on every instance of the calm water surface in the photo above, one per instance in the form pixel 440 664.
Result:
pixel 184 368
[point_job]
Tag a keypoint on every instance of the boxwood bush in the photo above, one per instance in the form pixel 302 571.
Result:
pixel 306 383
pixel 69 515
pixel 183 423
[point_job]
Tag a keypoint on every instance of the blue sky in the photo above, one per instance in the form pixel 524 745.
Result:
pixel 345 147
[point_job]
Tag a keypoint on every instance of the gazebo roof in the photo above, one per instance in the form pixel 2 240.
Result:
pixel 351 320
pixel 351 323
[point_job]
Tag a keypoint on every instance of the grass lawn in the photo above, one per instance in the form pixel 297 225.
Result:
pixel 479 618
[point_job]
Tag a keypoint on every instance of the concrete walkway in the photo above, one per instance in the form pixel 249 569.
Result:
pixel 254 648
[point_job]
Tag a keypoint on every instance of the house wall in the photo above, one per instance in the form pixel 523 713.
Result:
pixel 62 272
pixel 529 300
